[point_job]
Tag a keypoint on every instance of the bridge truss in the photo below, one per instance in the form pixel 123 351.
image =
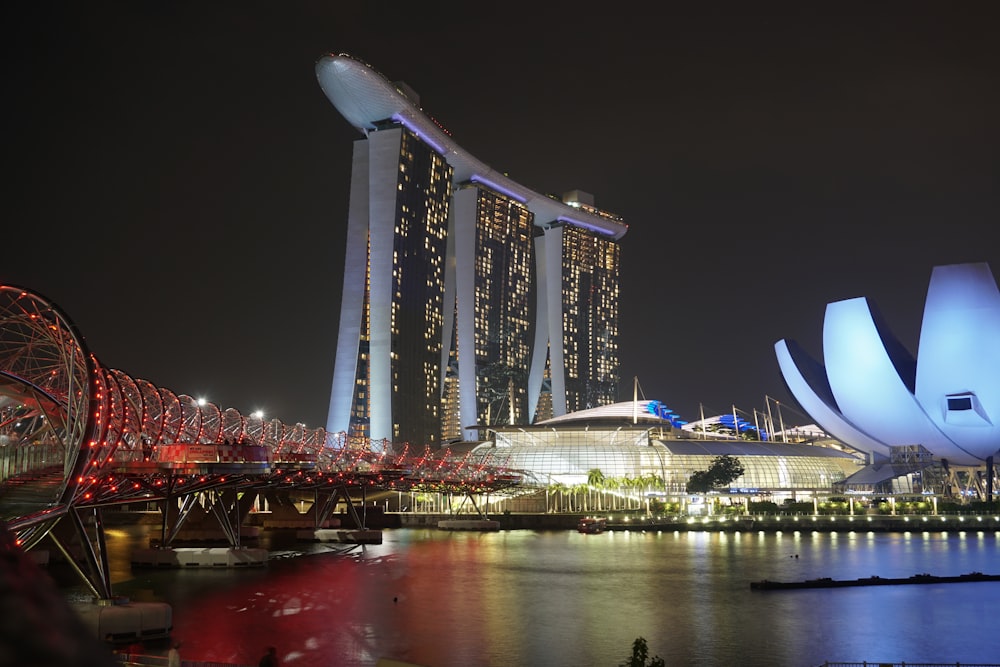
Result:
pixel 76 437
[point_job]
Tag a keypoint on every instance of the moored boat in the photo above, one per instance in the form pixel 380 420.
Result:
pixel 592 525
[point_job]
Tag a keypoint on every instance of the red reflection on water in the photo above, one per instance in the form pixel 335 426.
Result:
pixel 335 610
pixel 305 611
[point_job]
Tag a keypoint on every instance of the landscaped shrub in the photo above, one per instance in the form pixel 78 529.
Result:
pixel 763 507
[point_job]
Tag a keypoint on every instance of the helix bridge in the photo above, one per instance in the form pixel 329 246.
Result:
pixel 76 437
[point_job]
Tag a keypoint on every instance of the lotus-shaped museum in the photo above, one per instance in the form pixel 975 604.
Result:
pixel 873 394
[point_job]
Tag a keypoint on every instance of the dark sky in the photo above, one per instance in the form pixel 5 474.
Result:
pixel 177 181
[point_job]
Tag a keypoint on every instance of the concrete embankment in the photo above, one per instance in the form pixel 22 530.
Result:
pixel 754 523
pixel 765 523
pixel 807 523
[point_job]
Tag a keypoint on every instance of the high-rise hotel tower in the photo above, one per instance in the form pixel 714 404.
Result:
pixel 468 299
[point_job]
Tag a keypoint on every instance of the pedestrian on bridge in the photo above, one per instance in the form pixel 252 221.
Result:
pixel 174 655
pixel 270 658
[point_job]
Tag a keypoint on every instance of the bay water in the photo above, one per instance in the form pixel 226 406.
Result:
pixel 560 598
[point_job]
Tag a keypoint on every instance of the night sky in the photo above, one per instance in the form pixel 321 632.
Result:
pixel 177 181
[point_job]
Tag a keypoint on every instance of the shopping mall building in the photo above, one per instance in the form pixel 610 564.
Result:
pixel 626 449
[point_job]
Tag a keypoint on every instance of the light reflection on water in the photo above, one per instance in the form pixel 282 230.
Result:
pixel 524 597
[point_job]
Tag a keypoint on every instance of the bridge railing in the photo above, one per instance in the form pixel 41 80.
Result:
pixel 139 660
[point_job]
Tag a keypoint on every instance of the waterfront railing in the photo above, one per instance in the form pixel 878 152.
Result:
pixel 909 664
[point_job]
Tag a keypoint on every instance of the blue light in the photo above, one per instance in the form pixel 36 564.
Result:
pixel 412 127
pixel 476 178
pixel 663 412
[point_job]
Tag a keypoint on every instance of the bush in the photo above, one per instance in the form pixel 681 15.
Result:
pixel 763 507
pixel 982 507
pixel 640 655
pixel 834 506
pixel 952 507
pixel 799 508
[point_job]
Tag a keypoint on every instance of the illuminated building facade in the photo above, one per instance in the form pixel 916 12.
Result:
pixel 580 332
pixel 630 442
pixel 392 311
pixel 468 299
pixel 491 243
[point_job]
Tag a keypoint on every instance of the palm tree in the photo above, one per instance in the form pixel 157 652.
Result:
pixel 595 480
pixel 559 490
pixel 615 485
pixel 652 482
pixel 631 483
pixel 656 483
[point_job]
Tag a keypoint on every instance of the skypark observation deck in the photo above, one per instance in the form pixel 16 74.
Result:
pixel 366 99
pixel 76 437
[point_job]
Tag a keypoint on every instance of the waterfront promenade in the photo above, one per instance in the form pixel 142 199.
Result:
pixel 618 521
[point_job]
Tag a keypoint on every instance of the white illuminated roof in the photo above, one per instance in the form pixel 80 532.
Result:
pixel 365 98
pixel 617 412
pixel 872 393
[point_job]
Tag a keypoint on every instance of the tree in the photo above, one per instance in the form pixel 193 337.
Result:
pixel 595 479
pixel 700 482
pixel 560 491
pixel 640 654
pixel 722 471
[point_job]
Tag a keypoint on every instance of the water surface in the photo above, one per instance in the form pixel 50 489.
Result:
pixel 560 598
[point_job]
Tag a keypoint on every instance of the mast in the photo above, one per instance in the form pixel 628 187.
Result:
pixel 770 419
pixel 635 400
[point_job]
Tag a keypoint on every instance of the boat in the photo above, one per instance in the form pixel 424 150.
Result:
pixel 591 525
pixel 827 582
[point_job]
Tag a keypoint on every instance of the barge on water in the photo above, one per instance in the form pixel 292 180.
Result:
pixel 592 526
pixel 827 582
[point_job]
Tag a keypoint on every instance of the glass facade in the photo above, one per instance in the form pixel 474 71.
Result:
pixel 590 265
pixel 503 308
pixel 629 453
pixel 414 307
pixel 419 249
pixel 361 405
